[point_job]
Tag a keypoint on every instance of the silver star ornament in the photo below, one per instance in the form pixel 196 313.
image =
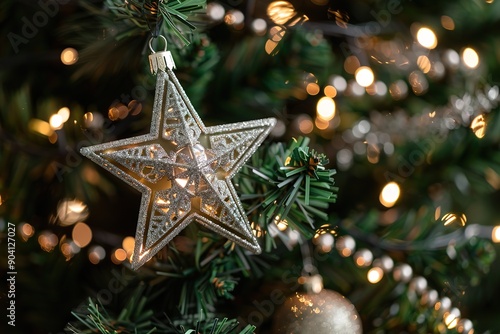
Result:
pixel 183 170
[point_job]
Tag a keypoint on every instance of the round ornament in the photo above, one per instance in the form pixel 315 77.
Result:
pixel 326 312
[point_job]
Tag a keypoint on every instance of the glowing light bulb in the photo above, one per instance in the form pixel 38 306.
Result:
pixel 470 58
pixel 390 194
pixel 364 76
pixel 427 38
pixel 56 121
pixel 374 275
pixel 69 56
pixel 325 108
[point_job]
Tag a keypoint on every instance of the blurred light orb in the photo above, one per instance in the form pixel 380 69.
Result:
pixel 398 90
pixel 325 108
pixel 451 318
pixel 312 88
pixel 403 273
pixel 118 256
pixel 64 113
pixel 26 231
pixel 47 241
pixel 234 18
pixel 96 254
pixel 363 257
pixel 281 12
pixel 330 91
pixel 215 11
pixel 346 245
pixel 465 326
pixel 82 234
pixel 128 245
pixel 351 64
pixel 259 26
pixel 56 121
pixel 69 56
pixel 389 194
pixel 447 22
pixel 70 212
pixel 380 88
pixel 374 275
pixel 364 76
pixel 305 124
pixel 495 234
pixel 470 58
pixel 339 83
pixel 451 58
pixel 427 38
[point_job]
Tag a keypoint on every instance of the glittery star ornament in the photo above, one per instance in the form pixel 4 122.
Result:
pixel 183 170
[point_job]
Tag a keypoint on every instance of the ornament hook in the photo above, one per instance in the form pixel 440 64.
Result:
pixel 151 43
pixel 160 60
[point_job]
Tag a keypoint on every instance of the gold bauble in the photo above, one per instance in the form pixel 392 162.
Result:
pixel 326 312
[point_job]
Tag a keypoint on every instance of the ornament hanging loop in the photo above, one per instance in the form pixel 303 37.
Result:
pixel 160 61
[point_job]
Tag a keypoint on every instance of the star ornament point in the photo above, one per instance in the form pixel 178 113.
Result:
pixel 183 170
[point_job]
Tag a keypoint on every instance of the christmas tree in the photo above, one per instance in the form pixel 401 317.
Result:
pixel 299 166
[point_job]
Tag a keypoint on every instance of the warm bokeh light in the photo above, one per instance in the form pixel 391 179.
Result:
pixel 215 11
pixel 424 63
pixel 47 241
pixel 398 90
pixel 325 108
pixel 26 231
pixel 451 318
pixel 82 234
pixel 339 83
pixel 363 258
pixel 64 113
pixel 402 272
pixel 364 76
pixel 450 218
pixel 374 275
pixel 495 234
pixel 427 38
pixel 447 22
pixel 351 64
pixel 478 126
pixel 69 56
pixel 281 12
pixel 128 245
pixel 40 126
pixel 470 58
pixel 345 245
pixel 305 125
pixel 321 124
pixel 330 91
pixel 56 121
pixel 71 211
pixel 118 256
pixel 234 18
pixel 390 194
pixel 259 26
pixel 312 88
pixel 96 254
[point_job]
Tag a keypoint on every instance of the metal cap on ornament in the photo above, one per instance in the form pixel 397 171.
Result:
pixel 160 61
